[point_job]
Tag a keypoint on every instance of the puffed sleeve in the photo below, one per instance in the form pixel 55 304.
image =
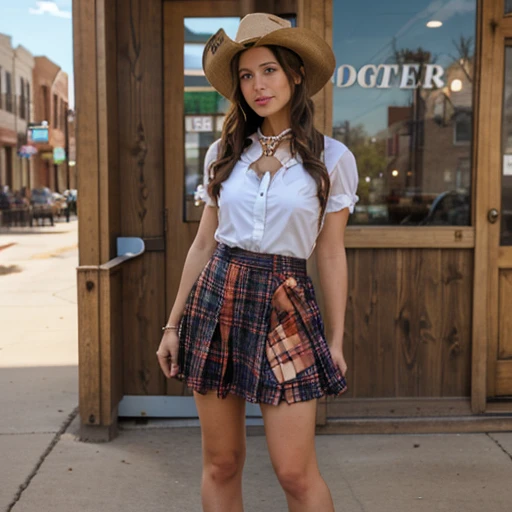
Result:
pixel 202 190
pixel 344 180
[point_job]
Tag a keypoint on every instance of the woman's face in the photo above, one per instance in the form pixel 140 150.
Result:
pixel 263 82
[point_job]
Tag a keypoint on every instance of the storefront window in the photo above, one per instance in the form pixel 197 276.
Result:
pixel 508 6
pixel 403 104
pixel 204 107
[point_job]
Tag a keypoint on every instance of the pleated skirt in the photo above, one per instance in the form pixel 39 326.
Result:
pixel 252 327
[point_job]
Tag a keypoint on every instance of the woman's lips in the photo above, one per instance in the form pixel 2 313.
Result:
pixel 262 101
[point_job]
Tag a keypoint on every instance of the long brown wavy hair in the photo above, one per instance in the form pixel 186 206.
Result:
pixel 306 140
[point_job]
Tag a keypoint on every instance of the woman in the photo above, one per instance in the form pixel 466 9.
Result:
pixel 245 325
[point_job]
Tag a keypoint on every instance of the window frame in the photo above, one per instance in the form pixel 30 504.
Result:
pixel 397 236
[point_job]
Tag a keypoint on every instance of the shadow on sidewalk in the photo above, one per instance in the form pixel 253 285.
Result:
pixel 5 270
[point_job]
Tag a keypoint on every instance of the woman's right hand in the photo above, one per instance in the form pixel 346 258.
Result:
pixel 167 353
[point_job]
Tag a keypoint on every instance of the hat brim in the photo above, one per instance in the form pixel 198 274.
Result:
pixel 316 54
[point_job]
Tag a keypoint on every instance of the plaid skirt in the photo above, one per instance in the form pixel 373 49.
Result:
pixel 251 326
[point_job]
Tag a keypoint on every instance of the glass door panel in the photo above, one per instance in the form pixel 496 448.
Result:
pixel 506 179
pixel 204 107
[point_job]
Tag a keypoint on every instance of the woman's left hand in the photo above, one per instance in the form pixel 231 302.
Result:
pixel 339 360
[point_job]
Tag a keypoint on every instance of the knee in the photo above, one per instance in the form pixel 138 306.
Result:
pixel 296 481
pixel 223 467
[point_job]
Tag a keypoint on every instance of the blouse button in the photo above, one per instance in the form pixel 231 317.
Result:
pixel 261 194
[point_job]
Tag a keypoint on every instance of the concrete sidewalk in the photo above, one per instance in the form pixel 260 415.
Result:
pixel 38 346
pixel 156 467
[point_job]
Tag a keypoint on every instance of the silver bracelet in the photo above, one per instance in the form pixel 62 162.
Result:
pixel 170 328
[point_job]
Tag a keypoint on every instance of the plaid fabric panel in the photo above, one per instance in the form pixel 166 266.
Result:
pixel 289 348
pixel 221 337
pixel 200 319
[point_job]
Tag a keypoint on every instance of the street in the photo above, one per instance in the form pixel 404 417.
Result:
pixel 156 466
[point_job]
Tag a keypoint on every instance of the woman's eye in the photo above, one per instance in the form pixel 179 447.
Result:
pixel 270 70
pixel 245 76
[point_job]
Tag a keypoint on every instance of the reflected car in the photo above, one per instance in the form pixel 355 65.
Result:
pixel 450 208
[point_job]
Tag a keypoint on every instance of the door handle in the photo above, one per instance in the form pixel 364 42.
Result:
pixel 493 215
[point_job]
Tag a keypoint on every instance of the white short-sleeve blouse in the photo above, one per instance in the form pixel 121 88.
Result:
pixel 279 215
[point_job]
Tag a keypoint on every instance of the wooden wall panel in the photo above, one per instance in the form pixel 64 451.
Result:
pixel 140 116
pixel 143 315
pixel 373 322
pixel 504 379
pixel 418 326
pixel 112 353
pixel 140 101
pixel 408 324
pixel 505 315
pixel 385 287
pixel 348 345
pixel 457 272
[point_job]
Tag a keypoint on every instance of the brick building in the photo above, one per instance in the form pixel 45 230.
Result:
pixel 51 105
pixel 16 107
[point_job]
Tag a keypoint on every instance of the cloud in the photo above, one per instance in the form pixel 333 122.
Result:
pixel 50 8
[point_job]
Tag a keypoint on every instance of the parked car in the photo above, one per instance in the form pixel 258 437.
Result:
pixel 60 204
pixel 15 209
pixel 43 205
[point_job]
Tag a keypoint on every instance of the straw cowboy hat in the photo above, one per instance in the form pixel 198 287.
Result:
pixel 262 29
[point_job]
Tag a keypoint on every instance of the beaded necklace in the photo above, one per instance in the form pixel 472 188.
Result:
pixel 269 143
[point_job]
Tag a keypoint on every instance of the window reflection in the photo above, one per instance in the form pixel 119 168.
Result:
pixel 403 104
pixel 508 6
pixel 506 180
pixel 203 106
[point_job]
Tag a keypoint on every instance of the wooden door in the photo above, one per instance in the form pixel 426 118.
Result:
pixel 193 114
pixel 492 357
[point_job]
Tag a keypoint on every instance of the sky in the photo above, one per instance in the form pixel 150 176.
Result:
pixel 43 28
pixel 194 52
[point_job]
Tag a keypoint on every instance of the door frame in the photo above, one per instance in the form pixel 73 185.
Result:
pixel 489 375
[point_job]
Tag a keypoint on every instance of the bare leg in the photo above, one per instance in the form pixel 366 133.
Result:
pixel 290 432
pixel 223 441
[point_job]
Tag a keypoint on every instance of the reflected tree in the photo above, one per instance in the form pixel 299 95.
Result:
pixel 370 155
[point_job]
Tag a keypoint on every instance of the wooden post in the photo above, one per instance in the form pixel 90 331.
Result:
pixel 95 79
